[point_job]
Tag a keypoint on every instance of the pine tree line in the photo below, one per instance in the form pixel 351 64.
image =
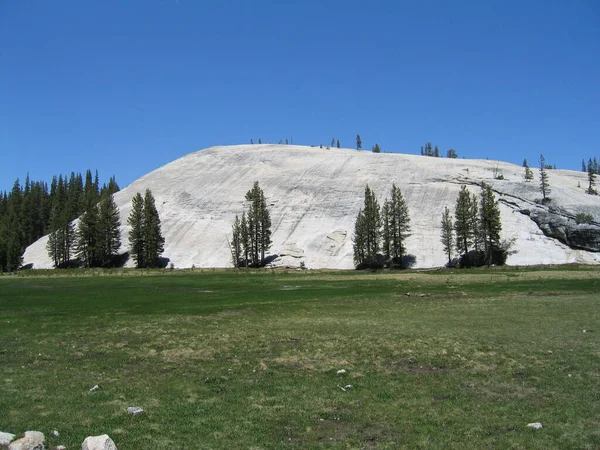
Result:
pixel 380 233
pixel 252 232
pixel 592 165
pixel 429 150
pixel 31 211
pixel 475 233
pixel 146 242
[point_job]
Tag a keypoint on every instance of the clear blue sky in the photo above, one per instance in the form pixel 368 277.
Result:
pixel 127 86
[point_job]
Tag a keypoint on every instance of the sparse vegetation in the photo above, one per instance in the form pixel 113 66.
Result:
pixel 584 218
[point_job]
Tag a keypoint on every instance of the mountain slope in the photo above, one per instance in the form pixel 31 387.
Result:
pixel 315 195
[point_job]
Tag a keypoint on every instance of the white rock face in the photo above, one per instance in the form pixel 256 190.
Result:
pixel 315 194
pixel 102 442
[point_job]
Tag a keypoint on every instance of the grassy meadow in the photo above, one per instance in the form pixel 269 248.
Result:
pixel 249 360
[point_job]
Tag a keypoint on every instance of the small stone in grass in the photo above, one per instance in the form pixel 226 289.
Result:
pixel 535 425
pixel 134 410
pixel 341 372
pixel 94 389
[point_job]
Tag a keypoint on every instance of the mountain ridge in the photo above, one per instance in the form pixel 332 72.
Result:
pixel 315 194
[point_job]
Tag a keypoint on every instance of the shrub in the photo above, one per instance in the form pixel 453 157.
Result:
pixel 584 218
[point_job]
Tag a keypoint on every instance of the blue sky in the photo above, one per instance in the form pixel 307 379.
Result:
pixel 127 86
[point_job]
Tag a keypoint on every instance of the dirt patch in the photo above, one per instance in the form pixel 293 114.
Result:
pixel 185 354
pixel 295 362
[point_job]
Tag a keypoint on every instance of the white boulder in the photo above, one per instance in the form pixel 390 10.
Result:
pixel 32 440
pixel 5 439
pixel 102 442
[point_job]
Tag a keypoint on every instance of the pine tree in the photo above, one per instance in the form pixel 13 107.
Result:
pixel 11 249
pixel 376 148
pixel 358 142
pixel 338 143
pixel 428 149
pixel 259 225
pixel 528 171
pixel 236 243
pixel 386 235
pixel 68 236
pixel 332 142
pixel 153 240
pixel 436 152
pixel 490 223
pixel 109 239
pixel 359 240
pixel 367 231
pixel 475 228
pixel 245 239
pixel 136 233
pixel 53 245
pixel 591 182
pixel 451 154
pixel 544 184
pixel 463 221
pixel 398 226
pixel 583 167
pixel 259 140
pixel 447 234
pixel 87 237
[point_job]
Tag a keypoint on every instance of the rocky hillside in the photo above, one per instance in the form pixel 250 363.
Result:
pixel 315 195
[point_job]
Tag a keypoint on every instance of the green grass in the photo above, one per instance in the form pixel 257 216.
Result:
pixel 248 360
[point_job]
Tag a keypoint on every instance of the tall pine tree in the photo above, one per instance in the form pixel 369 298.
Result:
pixel 136 231
pixel 463 223
pixel 153 240
pixel 258 225
pixel 489 223
pixel 367 232
pixel 447 234
pixel 396 224
pixel 544 183
pixel 109 239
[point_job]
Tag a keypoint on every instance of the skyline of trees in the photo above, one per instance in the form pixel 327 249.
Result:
pixel 37 208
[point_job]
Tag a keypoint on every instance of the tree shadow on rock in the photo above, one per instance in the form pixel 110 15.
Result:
pixel 163 262
pixel 120 260
pixel 270 258
pixel 407 262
